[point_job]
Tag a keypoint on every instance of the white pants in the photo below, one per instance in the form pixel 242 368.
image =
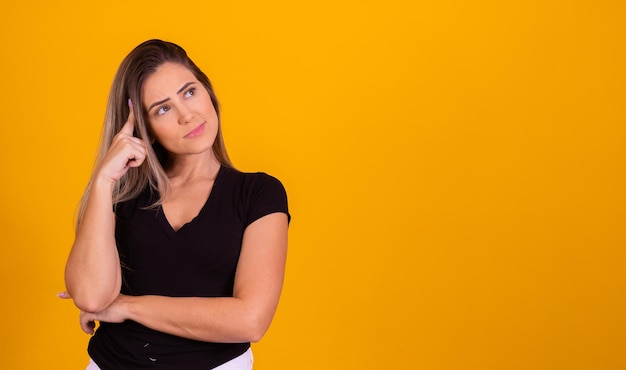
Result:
pixel 243 362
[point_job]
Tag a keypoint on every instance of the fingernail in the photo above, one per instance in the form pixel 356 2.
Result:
pixel 130 103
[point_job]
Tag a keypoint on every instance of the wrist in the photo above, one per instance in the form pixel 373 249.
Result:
pixel 102 183
pixel 129 304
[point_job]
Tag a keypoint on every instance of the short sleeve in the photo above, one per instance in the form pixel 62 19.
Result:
pixel 266 195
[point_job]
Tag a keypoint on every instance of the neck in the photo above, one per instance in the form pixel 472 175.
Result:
pixel 190 168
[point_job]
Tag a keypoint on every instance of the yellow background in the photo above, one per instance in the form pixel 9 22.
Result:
pixel 455 171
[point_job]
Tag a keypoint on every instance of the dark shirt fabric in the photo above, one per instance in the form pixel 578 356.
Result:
pixel 198 260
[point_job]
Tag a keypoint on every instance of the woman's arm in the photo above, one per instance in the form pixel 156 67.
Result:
pixel 243 318
pixel 92 274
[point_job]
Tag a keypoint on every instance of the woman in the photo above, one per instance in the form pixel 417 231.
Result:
pixel 179 256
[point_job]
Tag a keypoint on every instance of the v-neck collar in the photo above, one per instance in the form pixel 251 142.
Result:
pixel 165 223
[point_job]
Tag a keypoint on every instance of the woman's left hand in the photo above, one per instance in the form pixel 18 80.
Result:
pixel 115 313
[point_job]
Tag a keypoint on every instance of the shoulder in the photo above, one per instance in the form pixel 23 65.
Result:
pixel 251 180
pixel 257 192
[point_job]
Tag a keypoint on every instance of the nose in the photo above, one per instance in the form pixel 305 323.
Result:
pixel 185 115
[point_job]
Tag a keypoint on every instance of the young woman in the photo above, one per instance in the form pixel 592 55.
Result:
pixel 178 255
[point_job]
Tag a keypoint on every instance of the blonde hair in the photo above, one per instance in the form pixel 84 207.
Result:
pixel 127 85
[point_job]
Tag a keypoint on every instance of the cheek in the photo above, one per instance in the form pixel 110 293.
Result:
pixel 162 129
pixel 214 118
pixel 207 105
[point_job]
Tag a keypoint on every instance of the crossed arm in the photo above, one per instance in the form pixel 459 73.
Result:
pixel 245 317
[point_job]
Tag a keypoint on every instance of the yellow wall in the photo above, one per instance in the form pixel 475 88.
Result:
pixel 455 171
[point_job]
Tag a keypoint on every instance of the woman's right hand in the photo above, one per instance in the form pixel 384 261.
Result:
pixel 125 151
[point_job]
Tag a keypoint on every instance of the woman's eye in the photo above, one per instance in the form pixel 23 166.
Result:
pixel 162 110
pixel 190 92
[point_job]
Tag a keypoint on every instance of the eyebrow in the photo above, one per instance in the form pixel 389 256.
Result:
pixel 166 99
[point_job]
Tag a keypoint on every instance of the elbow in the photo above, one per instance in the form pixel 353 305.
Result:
pixel 91 300
pixel 256 327
pixel 92 304
pixel 91 297
pixel 256 336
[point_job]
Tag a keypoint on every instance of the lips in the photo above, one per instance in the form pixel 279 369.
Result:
pixel 197 131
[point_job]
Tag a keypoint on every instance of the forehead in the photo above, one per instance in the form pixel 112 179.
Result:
pixel 166 81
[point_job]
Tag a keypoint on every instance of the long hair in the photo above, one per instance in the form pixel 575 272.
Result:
pixel 140 63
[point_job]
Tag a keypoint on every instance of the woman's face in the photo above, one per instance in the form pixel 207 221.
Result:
pixel 181 116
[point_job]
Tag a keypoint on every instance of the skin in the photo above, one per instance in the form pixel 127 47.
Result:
pixel 185 123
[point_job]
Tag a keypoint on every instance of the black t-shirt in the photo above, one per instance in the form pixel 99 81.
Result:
pixel 198 260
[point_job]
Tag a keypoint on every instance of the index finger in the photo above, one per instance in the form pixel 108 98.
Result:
pixel 129 126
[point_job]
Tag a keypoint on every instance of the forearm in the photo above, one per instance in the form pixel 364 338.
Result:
pixel 243 318
pixel 223 320
pixel 93 273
